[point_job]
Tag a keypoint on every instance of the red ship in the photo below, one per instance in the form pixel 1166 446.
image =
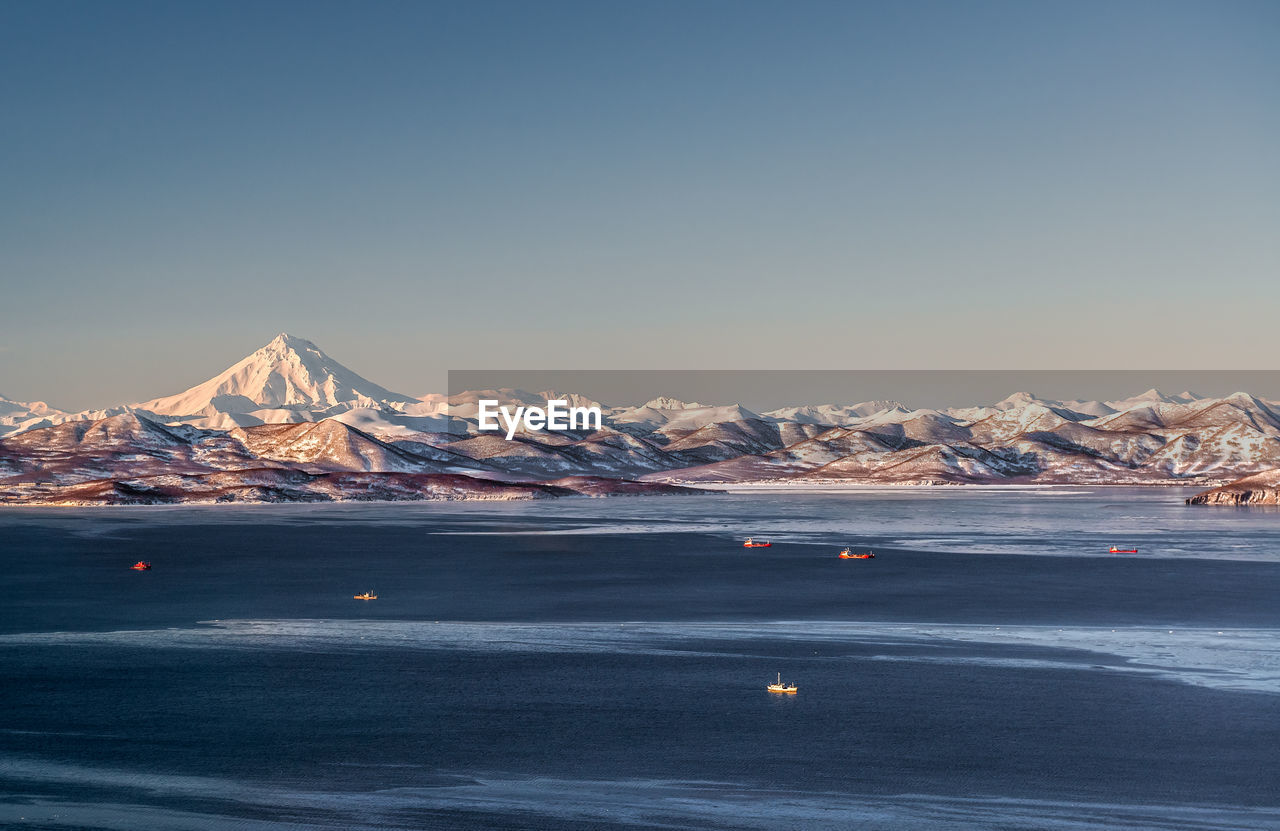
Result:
pixel 1115 550
pixel 141 565
pixel 750 543
pixel 849 555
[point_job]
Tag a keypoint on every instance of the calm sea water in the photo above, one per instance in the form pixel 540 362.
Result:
pixel 601 664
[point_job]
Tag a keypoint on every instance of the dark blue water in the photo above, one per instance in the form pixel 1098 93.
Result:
pixel 602 664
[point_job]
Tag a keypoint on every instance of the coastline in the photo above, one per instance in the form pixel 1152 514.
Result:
pixel 839 487
pixel 669 489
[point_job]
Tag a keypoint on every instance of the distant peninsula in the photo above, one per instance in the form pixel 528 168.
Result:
pixel 1258 489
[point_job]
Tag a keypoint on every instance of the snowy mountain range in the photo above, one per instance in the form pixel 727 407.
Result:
pixel 290 423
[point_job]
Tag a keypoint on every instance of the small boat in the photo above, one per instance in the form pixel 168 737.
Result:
pixel 1115 550
pixel 751 543
pixel 366 596
pixel 787 689
pixel 141 565
pixel 849 555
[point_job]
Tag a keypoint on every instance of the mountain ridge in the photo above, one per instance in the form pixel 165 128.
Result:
pixel 290 406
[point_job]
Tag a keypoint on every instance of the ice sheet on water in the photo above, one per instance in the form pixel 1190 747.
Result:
pixel 144 799
pixel 1229 659
pixel 1075 522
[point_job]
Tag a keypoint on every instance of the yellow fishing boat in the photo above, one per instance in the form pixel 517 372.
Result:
pixel 787 689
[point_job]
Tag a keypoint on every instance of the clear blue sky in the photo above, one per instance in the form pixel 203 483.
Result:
pixel 421 186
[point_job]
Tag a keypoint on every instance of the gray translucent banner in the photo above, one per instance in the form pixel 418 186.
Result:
pixel 811 427
pixel 936 389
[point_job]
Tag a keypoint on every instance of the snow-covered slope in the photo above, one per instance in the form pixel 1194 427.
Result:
pixel 16 416
pixel 328 445
pixel 1005 425
pixel 77 451
pixel 677 420
pixel 386 423
pixel 1153 396
pixel 924 426
pixel 10 408
pixel 831 415
pixel 662 402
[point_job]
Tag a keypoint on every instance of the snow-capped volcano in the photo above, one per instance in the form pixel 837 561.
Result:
pixel 289 372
